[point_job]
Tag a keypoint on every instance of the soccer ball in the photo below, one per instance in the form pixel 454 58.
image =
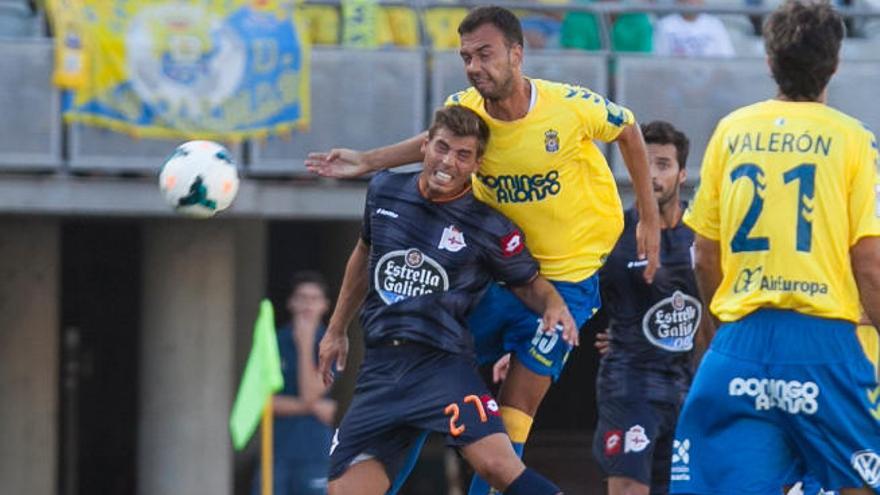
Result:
pixel 199 179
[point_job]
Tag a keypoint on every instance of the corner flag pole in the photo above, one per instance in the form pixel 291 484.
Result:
pixel 266 450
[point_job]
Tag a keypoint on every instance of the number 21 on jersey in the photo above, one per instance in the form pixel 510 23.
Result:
pixel 805 176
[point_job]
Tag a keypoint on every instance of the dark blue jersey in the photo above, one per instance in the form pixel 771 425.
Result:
pixel 431 262
pixel 652 325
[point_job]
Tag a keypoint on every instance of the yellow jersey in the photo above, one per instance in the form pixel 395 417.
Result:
pixel 786 189
pixel 546 174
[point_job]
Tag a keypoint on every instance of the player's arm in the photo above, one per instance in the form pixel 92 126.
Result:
pixel 355 283
pixel 540 296
pixel 635 156
pixel 343 163
pixel 707 267
pixel 865 256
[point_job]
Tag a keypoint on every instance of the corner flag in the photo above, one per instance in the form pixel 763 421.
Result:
pixel 262 378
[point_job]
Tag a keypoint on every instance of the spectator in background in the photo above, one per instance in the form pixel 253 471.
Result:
pixel 692 35
pixel 303 413
pixel 631 32
pixel 542 28
pixel 441 25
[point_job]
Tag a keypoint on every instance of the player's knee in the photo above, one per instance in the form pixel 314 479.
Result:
pixel 499 471
pixel 618 485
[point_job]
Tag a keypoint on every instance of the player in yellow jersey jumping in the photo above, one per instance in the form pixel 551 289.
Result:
pixel 788 244
pixel 543 171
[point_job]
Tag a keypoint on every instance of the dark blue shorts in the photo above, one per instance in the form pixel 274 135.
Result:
pixel 634 439
pixel 404 391
pixel 778 395
pixel 501 323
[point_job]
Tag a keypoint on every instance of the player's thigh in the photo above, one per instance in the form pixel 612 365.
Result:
pixel 545 353
pixel 625 438
pixel 523 389
pixel 448 396
pixel 367 477
pixel 833 415
pixel 719 434
pixel 488 321
pixel 665 448
pixel 494 459
pixel 374 426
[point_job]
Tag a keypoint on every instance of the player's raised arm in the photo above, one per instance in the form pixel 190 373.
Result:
pixel 334 345
pixel 540 296
pixel 707 267
pixel 343 163
pixel 632 148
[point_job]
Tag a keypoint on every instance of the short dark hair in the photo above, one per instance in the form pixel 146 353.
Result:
pixel 308 277
pixel 462 122
pixel 662 132
pixel 802 40
pixel 503 19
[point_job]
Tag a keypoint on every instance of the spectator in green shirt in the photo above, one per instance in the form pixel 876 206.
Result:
pixel 629 32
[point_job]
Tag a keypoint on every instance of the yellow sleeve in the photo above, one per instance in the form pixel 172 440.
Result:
pixel 864 193
pixel 602 118
pixel 455 99
pixel 702 215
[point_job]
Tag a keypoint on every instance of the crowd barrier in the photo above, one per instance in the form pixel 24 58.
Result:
pixel 362 99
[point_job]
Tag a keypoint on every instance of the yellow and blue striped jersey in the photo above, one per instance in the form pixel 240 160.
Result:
pixel 786 189
pixel 546 174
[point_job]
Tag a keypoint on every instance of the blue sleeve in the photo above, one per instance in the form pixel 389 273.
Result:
pixel 507 256
pixel 366 231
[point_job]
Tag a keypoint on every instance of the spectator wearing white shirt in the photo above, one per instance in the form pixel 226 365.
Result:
pixel 692 35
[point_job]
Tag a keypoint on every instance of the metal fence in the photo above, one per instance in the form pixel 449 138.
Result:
pixel 363 99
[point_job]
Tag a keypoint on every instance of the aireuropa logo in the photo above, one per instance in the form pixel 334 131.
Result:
pixel 867 464
pixel 791 396
pixel 748 280
pixel 752 279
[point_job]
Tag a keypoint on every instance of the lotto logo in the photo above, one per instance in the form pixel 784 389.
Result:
pixel 867 464
pixel 613 441
pixel 792 396
pixel 680 451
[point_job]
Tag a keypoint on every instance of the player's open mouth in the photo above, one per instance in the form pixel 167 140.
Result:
pixel 442 177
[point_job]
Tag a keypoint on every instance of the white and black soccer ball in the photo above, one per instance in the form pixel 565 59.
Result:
pixel 199 179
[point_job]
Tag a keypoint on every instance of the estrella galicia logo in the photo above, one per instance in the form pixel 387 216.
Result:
pixel 672 323
pixel 551 141
pixel 408 273
pixel 522 188
pixel 748 280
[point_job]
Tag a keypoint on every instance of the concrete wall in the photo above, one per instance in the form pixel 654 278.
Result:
pixel 29 292
pixel 200 281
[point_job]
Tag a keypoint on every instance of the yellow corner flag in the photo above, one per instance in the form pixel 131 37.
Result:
pixel 262 378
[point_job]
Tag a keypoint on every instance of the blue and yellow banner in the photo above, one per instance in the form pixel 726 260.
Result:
pixel 212 69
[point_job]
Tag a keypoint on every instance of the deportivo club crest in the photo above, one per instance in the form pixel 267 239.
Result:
pixel 551 141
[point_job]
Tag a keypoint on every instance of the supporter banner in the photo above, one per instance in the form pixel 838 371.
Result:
pixel 221 69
